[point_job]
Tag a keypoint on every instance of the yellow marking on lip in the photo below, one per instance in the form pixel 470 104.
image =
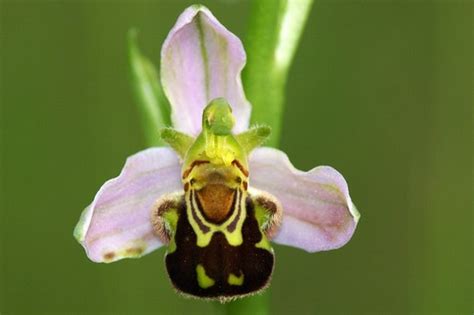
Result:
pixel 234 280
pixel 171 219
pixel 203 279
pixel 264 244
pixel 234 238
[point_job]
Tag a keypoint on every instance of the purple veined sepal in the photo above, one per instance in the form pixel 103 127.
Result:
pixel 117 224
pixel 318 213
pixel 201 60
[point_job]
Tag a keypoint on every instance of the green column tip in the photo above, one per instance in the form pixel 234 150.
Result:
pixel 217 117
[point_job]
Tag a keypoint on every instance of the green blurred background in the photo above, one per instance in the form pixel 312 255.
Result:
pixel 381 90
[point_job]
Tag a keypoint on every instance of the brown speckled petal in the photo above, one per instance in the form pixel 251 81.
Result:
pixel 118 222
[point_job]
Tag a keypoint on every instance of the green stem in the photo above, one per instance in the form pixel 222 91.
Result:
pixel 255 305
pixel 274 32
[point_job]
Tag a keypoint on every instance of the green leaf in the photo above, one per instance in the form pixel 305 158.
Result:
pixel 154 107
pixel 274 32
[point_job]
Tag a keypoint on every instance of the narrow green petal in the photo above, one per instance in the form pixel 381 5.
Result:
pixel 254 137
pixel 180 142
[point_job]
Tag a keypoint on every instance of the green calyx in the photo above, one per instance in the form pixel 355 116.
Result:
pixel 216 143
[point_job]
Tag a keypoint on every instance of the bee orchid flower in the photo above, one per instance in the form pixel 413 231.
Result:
pixel 215 198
